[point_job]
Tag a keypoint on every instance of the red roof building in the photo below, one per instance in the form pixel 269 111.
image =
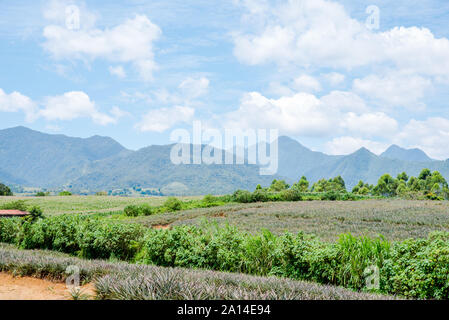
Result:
pixel 12 213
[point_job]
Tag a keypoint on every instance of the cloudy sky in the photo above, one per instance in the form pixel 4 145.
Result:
pixel 319 71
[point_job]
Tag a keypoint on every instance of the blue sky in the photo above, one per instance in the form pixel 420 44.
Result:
pixel 137 70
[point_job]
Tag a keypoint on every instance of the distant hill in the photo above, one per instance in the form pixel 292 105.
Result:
pixel 398 153
pixel 151 167
pixel 35 159
pixel 51 160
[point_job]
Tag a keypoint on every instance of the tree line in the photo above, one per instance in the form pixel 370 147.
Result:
pixel 428 184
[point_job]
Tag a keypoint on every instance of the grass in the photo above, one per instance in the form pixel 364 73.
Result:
pixel 55 205
pixel 125 281
pixel 394 219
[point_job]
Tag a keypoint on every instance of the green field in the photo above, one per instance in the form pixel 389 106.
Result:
pixel 221 235
pixel 56 205
pixel 394 219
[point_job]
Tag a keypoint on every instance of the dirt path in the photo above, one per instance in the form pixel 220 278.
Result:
pixel 26 288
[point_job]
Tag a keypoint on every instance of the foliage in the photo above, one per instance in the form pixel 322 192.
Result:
pixel 279 185
pixel 414 268
pixel 42 194
pixel 5 190
pixel 123 281
pixel 65 193
pixel 173 204
pixel 15 205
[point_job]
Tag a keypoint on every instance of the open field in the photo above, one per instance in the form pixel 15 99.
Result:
pixel 394 219
pixel 134 282
pixel 85 204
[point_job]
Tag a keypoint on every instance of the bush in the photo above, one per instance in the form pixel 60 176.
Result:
pixel 173 204
pixel 42 194
pixel 65 193
pixel 146 210
pixel 291 195
pixel 15 205
pixel 330 196
pixel 10 229
pixel 242 196
pixel 5 190
pixel 260 195
pixel 132 211
pixel 209 200
pixel 418 268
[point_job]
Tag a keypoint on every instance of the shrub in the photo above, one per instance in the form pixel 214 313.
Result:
pixel 173 204
pixel 291 195
pixel 209 200
pixel 15 205
pixel 146 210
pixel 42 194
pixel 9 230
pixel 242 196
pixel 330 196
pixel 5 190
pixel 260 195
pixel 418 268
pixel 132 211
pixel 65 193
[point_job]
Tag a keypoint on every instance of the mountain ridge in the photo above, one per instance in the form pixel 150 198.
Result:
pixel 32 158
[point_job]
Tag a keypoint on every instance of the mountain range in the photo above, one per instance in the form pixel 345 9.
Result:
pixel 35 159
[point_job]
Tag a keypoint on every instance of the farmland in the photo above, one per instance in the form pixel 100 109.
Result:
pixel 394 219
pixel 84 204
pixel 327 242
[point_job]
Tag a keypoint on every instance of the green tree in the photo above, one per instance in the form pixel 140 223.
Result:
pixel 386 186
pixel 302 185
pixel 403 177
pixel 279 185
pixel 5 190
pixel 424 174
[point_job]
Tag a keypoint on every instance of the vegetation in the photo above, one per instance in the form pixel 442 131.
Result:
pixel 42 194
pixel 300 256
pixel 120 280
pixel 395 219
pixel 65 193
pixel 5 190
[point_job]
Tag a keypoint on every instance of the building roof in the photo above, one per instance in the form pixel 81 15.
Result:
pixel 13 213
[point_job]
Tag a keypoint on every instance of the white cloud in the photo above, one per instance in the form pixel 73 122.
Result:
pixel 163 119
pixel 348 145
pixel 194 88
pixel 344 101
pixel 118 71
pixel 430 135
pixel 395 89
pixel 129 42
pixel 15 102
pixel 334 78
pixel 73 105
pixel 339 113
pixel 301 113
pixel 370 124
pixel 118 113
pixel 320 33
pixel 306 83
